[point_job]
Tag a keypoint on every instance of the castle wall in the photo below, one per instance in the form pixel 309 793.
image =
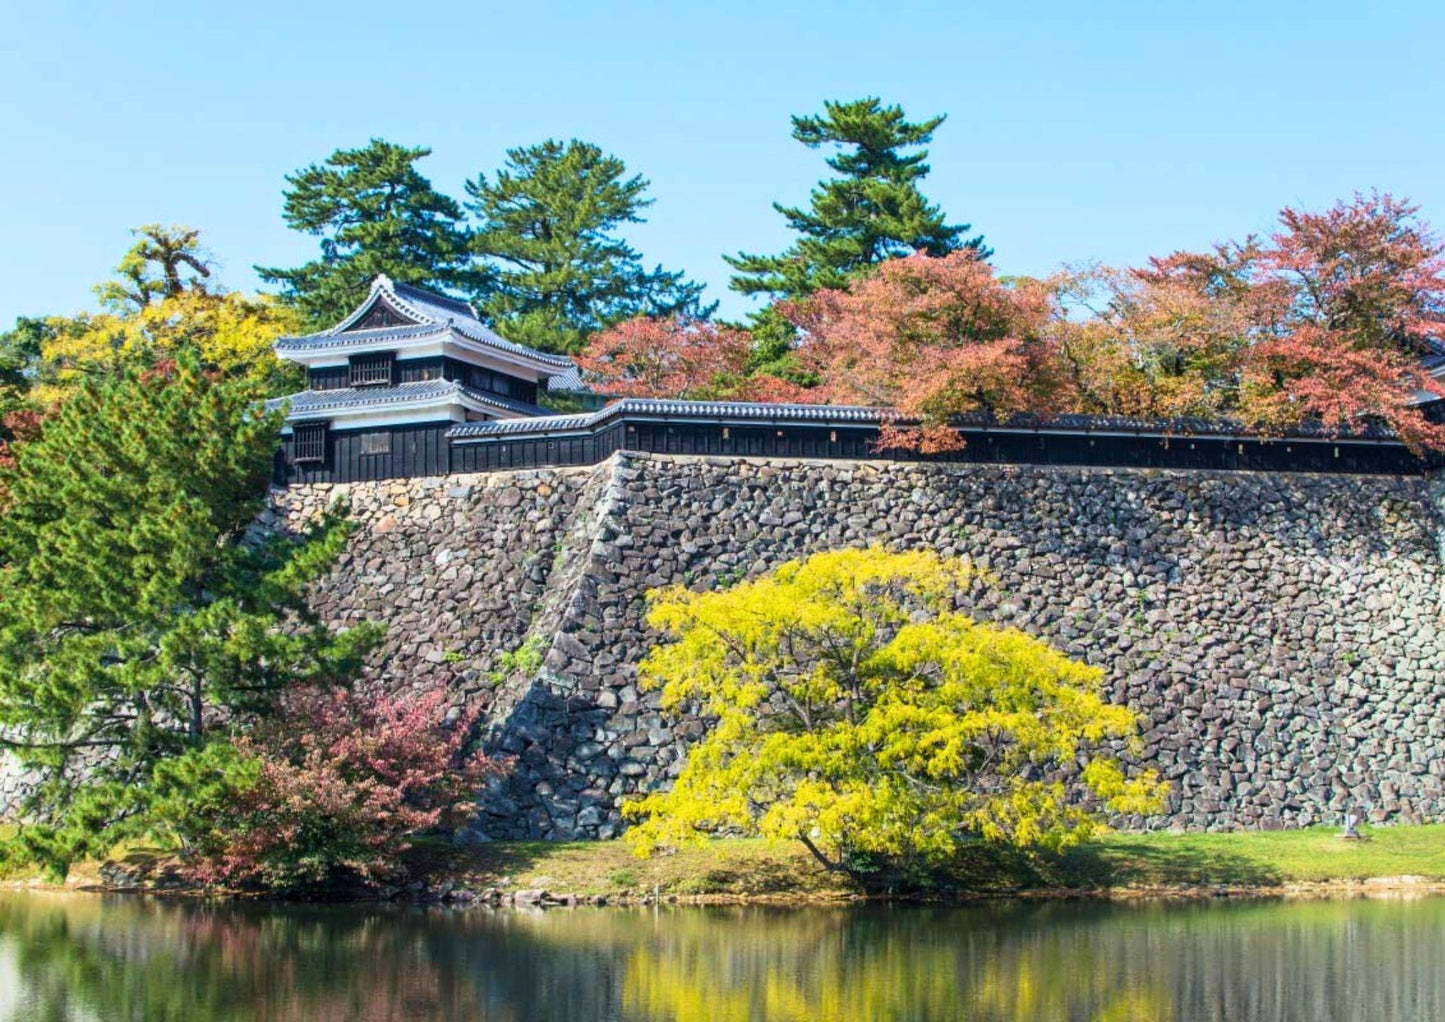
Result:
pixel 1279 633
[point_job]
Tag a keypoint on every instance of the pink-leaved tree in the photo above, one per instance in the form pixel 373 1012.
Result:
pixel 336 785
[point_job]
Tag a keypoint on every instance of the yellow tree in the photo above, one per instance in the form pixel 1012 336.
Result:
pixel 231 333
pixel 161 302
pixel 857 712
pixel 163 262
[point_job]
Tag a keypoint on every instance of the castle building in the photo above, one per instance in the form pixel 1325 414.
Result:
pixel 386 384
pixel 412 383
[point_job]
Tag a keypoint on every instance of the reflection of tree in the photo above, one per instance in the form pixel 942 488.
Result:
pixel 126 958
pixel 877 966
pixel 82 957
pixel 734 965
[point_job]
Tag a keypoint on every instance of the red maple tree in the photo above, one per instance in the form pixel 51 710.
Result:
pixel 929 337
pixel 1323 325
pixel 678 358
pixel 1333 316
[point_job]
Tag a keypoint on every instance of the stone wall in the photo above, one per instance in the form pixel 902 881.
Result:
pixel 1280 634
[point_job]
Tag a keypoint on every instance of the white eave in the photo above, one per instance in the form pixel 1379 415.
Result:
pixel 427 401
pixel 421 341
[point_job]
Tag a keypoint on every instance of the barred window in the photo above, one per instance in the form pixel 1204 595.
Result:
pixel 371 370
pixel 308 442
pixel 376 443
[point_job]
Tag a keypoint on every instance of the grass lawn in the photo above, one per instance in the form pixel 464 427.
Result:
pixel 747 868
pixel 752 868
pixel 1259 857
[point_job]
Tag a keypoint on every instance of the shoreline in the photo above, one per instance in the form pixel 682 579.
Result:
pixel 1403 861
pixel 1383 888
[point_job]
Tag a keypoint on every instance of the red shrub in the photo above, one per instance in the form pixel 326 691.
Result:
pixel 340 783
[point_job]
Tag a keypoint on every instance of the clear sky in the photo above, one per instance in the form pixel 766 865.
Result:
pixel 1076 131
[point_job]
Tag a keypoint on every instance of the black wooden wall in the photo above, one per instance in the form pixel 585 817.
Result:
pixel 424 450
pixel 416 450
pixel 533 452
pixel 983 447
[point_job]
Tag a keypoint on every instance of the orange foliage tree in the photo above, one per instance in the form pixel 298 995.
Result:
pixel 1354 298
pixel 930 337
pixel 678 358
pixel 1324 324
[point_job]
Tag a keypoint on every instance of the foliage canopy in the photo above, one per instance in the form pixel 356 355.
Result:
pixel 857 713
pixel 1326 324
pixel 375 213
pixel 330 786
pixel 680 358
pixel 548 230
pixel 135 624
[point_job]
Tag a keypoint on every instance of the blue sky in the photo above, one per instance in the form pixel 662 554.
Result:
pixel 1106 131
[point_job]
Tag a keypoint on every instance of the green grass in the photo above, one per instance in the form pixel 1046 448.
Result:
pixel 755 869
pixel 1259 857
pixel 752 868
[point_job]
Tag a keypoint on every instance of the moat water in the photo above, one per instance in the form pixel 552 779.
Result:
pixel 102 958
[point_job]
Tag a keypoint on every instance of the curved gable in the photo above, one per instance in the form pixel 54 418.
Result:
pixel 380 313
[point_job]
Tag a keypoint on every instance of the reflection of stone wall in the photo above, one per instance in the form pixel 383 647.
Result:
pixel 1280 633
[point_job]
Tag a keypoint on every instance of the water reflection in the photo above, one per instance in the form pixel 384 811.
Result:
pixel 65 958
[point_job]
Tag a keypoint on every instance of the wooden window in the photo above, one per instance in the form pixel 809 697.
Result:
pixel 308 442
pixel 376 443
pixel 486 380
pixel 372 370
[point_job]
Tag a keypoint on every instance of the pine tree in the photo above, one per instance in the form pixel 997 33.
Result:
pixel 549 224
pixel 375 213
pixel 136 626
pixel 874 211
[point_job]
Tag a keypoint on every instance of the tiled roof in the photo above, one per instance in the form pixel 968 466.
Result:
pixel 478 331
pixel 326 339
pixel 545 424
pixel 436 315
pixel 1162 427
pixel 570 380
pixel 436 306
pixel 731 410
pixel 314 402
pixel 738 411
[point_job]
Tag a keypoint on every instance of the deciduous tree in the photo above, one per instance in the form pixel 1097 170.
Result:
pixel 930 337
pixel 1334 313
pixel 549 227
pixel 678 358
pixel 331 787
pixel 856 712
pixel 230 333
pixel 1139 346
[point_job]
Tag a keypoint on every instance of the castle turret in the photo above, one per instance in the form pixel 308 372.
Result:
pixel 386 383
